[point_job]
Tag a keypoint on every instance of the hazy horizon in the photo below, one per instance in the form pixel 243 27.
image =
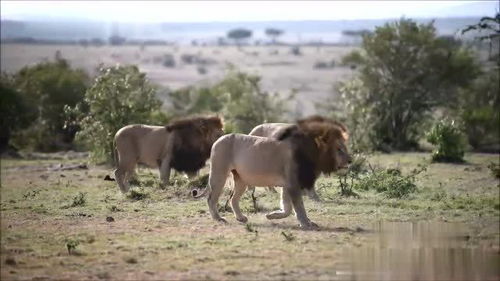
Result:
pixel 240 11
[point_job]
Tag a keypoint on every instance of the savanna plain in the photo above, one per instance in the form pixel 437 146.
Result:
pixel 61 220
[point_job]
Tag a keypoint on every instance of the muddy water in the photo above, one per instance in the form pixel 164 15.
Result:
pixel 421 251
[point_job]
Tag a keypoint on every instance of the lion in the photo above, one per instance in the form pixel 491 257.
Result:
pixel 294 161
pixel 183 145
pixel 273 130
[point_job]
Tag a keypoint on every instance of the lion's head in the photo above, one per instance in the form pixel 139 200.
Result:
pixel 319 147
pixel 194 137
pixel 331 140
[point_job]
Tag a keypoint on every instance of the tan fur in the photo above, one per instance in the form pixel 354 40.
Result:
pixel 292 161
pixel 183 145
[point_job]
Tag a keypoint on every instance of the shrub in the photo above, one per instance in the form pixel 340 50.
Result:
pixel 168 61
pixel 201 70
pixel 238 97
pixel 495 169
pixel 390 182
pixel 71 245
pixel 449 139
pixel 478 109
pixel 353 173
pixel 120 96
pixel 79 200
pixel 295 51
pixel 137 194
pixel 15 112
pixel 45 89
pixel 405 71
pixel 188 58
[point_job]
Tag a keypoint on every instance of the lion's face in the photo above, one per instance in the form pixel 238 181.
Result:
pixel 332 146
pixel 341 154
pixel 213 129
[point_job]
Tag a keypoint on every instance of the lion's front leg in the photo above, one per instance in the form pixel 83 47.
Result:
pixel 300 211
pixel 286 207
pixel 165 171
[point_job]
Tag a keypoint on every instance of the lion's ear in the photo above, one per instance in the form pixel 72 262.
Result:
pixel 345 136
pixel 319 142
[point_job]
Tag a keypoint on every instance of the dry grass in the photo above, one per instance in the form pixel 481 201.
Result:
pixel 168 235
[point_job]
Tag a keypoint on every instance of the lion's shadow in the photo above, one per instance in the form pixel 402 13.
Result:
pixel 286 226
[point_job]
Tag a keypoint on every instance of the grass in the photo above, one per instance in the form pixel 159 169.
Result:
pixel 162 233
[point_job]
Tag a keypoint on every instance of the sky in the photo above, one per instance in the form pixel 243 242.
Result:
pixel 210 11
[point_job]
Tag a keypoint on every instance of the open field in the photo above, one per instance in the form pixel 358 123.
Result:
pixel 447 229
pixel 281 71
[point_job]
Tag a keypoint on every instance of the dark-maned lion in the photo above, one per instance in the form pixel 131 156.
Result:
pixel 183 145
pixel 294 160
pixel 274 130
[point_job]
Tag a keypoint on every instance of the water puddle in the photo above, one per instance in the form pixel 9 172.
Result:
pixel 421 251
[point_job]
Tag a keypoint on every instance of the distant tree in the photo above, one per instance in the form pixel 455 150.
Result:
pixel 239 35
pixel 120 96
pixel 96 42
pixel 356 35
pixel 274 33
pixel 489 28
pixel 116 40
pixel 405 71
pixel 480 103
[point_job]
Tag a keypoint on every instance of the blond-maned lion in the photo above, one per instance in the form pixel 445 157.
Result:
pixel 183 145
pixel 294 160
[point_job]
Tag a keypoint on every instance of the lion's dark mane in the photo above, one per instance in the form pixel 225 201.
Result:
pixel 305 154
pixel 308 157
pixel 191 148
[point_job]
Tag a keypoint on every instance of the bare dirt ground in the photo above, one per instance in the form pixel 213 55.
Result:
pixel 281 70
pixel 59 223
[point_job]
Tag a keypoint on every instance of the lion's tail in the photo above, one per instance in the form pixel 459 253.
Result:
pixel 115 154
pixel 197 194
pixel 115 160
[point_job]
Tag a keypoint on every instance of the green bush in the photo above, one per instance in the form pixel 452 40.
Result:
pixel 405 71
pixel 120 96
pixel 479 110
pixel 238 97
pixel 390 182
pixel 449 141
pixel 45 89
pixel 354 172
pixel 15 113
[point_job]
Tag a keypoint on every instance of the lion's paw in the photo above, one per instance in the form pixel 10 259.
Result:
pixel 309 226
pixel 242 219
pixel 222 220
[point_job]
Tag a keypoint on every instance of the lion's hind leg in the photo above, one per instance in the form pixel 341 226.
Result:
pixel 239 189
pixel 216 183
pixel 123 172
pixel 120 176
pixel 286 207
